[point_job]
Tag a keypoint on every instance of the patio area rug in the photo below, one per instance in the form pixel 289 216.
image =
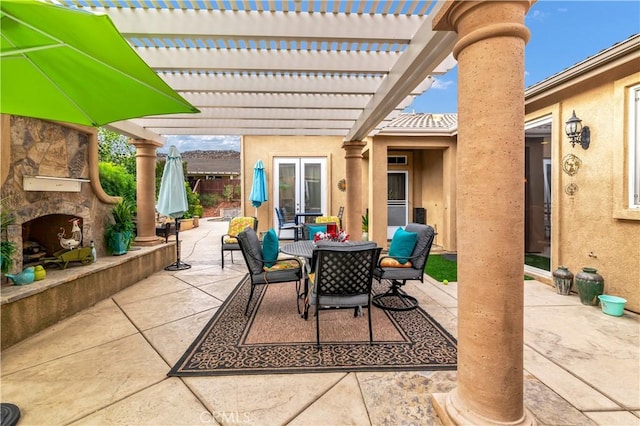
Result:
pixel 274 339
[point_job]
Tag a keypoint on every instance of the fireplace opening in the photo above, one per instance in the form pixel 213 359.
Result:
pixel 46 235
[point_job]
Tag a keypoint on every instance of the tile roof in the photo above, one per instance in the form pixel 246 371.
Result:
pixel 422 123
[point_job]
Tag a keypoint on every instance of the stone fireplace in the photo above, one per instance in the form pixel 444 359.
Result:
pixel 57 154
pixel 49 176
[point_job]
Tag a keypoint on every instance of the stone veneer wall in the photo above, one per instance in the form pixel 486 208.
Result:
pixel 42 148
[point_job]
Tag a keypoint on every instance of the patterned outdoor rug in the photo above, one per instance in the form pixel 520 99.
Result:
pixel 274 339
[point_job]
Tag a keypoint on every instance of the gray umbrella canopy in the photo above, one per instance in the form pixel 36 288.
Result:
pixel 172 198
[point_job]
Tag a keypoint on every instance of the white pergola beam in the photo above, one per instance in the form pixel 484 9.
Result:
pixel 241 25
pixel 268 60
pixel 276 100
pixel 251 83
pixel 267 114
pixel 242 122
pixel 133 130
pixel 429 49
pixel 243 131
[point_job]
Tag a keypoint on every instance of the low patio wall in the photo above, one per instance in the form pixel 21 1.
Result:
pixel 26 310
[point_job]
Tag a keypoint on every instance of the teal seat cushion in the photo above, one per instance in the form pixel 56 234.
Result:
pixel 402 245
pixel 314 229
pixel 270 248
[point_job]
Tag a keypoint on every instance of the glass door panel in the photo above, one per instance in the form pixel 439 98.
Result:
pixel 397 201
pixel 300 187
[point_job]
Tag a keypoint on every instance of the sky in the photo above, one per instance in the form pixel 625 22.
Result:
pixel 563 33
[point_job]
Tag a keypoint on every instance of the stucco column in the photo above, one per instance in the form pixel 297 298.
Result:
pixel 353 172
pixel 490 201
pixel 146 191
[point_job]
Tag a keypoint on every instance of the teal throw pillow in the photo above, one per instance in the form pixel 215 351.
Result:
pixel 402 245
pixel 314 229
pixel 270 248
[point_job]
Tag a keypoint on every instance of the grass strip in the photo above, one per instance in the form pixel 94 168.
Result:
pixel 441 269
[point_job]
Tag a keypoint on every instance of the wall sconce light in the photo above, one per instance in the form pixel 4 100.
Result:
pixel 576 133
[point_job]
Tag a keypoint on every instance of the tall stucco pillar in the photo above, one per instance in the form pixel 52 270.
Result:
pixel 490 219
pixel 146 191
pixel 353 172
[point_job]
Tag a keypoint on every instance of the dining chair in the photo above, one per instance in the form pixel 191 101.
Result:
pixel 229 241
pixel 279 271
pixel 341 277
pixel 284 224
pixel 340 214
pixel 330 219
pixel 398 267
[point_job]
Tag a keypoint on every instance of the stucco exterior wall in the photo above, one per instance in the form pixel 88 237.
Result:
pixel 594 227
pixel 432 182
pixel 266 148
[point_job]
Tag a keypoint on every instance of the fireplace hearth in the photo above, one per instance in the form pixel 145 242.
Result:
pixel 41 237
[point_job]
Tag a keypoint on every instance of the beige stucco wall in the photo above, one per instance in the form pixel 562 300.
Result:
pixel 594 227
pixel 266 148
pixel 432 183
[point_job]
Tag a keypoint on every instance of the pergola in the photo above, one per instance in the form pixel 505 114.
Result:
pixel 341 68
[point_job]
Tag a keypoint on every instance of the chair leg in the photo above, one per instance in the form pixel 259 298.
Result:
pixel 298 297
pixel 370 328
pixel 317 326
pixel 222 251
pixel 246 310
pixel 231 256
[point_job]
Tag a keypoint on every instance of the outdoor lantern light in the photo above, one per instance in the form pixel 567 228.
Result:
pixel 576 133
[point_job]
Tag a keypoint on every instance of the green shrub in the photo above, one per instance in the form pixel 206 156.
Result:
pixel 115 148
pixel 193 199
pixel 209 200
pixel 228 192
pixel 116 181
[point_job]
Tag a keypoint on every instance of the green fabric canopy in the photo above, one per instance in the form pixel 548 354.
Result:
pixel 66 64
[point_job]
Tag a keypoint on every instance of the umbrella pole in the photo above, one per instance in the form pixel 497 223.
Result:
pixel 177 266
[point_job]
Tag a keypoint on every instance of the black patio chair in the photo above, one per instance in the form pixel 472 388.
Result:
pixel 341 277
pixel 282 271
pixel 395 299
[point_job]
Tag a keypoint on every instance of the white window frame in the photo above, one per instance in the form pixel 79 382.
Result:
pixel 634 147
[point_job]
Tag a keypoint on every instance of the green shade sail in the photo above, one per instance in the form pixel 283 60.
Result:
pixel 66 64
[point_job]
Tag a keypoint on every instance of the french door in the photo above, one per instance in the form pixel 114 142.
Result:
pixel 397 201
pixel 300 186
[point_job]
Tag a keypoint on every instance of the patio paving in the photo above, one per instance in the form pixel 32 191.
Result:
pixel 108 364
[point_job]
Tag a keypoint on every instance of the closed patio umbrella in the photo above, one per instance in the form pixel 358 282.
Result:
pixel 67 64
pixel 172 199
pixel 258 193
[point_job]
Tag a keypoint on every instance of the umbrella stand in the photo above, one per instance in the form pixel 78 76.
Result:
pixel 178 265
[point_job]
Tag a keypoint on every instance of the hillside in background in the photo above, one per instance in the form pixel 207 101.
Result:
pixel 203 155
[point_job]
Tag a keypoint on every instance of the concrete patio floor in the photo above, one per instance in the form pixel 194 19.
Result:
pixel 108 364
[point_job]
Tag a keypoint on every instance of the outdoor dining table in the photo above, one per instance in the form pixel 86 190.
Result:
pixel 302 248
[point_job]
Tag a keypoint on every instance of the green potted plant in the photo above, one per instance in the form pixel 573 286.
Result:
pixel 365 227
pixel 119 235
